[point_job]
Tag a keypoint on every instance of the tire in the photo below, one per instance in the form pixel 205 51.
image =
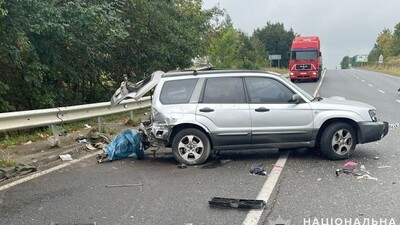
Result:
pixel 338 141
pixel 191 146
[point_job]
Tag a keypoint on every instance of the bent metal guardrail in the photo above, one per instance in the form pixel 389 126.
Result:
pixel 53 116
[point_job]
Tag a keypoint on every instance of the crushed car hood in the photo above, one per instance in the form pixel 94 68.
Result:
pixel 135 91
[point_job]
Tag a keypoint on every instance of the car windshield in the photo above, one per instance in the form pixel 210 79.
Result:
pixel 305 55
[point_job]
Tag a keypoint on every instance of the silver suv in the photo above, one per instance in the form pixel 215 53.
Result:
pixel 195 112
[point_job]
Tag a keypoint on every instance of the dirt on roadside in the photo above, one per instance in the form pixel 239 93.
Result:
pixel 22 152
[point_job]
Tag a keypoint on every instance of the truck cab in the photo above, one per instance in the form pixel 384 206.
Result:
pixel 305 59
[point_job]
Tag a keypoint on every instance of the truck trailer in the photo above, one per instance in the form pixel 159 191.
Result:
pixel 305 59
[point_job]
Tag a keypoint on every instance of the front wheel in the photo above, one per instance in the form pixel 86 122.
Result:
pixel 338 141
pixel 191 146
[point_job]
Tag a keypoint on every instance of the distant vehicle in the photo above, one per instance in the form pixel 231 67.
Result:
pixel 199 112
pixel 305 59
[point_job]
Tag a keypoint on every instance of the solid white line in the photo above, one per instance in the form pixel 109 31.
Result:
pixel 254 216
pixel 320 83
pixel 41 173
pixel 382 91
pixel 370 85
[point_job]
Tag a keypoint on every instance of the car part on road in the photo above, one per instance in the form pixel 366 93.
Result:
pixel 338 141
pixel 236 203
pixel 191 146
pixel 257 169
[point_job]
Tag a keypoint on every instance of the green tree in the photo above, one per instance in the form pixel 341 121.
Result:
pixel 224 50
pixel 395 44
pixel 276 40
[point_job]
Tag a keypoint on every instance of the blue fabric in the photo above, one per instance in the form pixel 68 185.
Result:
pixel 126 144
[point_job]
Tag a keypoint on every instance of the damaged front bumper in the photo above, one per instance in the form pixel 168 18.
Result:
pixel 372 131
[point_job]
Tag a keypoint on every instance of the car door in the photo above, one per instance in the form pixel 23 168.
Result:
pixel 224 111
pixel 277 121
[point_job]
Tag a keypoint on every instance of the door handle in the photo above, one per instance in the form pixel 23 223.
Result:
pixel 206 110
pixel 262 109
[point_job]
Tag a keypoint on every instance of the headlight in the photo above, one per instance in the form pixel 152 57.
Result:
pixel 372 114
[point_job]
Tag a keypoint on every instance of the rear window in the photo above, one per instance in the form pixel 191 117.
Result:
pixel 177 91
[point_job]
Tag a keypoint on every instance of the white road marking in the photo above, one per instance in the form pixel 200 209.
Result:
pixel 381 91
pixel 41 173
pixel 320 83
pixel 398 101
pixel 254 216
pixel 363 80
pixel 370 85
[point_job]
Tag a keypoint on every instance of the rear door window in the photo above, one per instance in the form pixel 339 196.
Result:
pixel 224 90
pixel 177 91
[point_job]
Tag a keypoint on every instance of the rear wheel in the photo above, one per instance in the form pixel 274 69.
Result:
pixel 338 141
pixel 191 146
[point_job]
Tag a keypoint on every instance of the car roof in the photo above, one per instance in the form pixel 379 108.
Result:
pixel 211 71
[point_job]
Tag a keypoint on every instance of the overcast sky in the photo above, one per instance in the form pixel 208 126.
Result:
pixel 345 27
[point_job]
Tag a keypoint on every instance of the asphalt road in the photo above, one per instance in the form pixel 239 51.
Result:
pixel 307 189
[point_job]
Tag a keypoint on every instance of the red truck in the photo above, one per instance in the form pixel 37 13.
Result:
pixel 305 59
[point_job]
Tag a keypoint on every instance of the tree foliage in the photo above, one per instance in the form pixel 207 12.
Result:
pixel 276 40
pixel 57 53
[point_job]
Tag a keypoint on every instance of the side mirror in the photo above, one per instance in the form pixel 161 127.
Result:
pixel 288 55
pixel 296 98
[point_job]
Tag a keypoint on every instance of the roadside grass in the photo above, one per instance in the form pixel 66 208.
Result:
pixel 390 66
pixel 277 70
pixel 13 138
pixel 7 160
pixel 388 70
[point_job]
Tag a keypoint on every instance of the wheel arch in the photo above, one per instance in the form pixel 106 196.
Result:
pixel 183 126
pixel 337 120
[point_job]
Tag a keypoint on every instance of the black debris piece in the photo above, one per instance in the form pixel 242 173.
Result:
pixel 236 203
pixel 258 169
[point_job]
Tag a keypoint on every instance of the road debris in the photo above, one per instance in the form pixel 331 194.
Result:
pixel 236 203
pixel 257 169
pixel 393 126
pixel 123 185
pixel 66 157
pixel 216 163
pixel 355 169
pixel 19 170
pixel 367 177
pixel 376 157
pixel 125 145
pixel 182 166
pixel 383 167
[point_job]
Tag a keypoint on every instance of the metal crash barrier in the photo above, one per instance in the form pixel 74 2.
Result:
pixel 51 117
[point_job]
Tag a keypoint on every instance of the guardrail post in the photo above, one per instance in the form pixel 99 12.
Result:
pixel 132 115
pixel 56 136
pixel 100 121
